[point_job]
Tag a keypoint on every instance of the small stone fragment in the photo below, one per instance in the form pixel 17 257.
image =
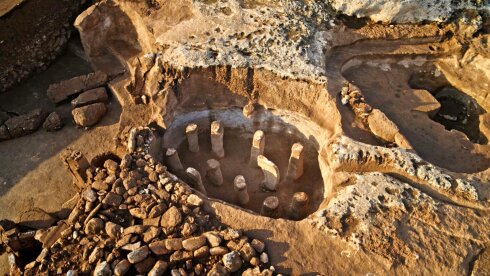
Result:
pixel 138 255
pixel 171 218
pixel 159 268
pixel 122 267
pixel 102 269
pixel 194 243
pixel 53 122
pixel 232 261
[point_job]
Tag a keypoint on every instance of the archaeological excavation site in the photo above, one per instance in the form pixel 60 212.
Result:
pixel 244 137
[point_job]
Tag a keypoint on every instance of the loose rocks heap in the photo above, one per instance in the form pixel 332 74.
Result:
pixel 134 217
pixel 89 106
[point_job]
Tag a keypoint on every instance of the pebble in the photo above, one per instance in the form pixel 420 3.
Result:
pixel 171 218
pixel 122 267
pixel 264 258
pixel 53 122
pixel 194 200
pixel 138 255
pixel 218 251
pixel 94 226
pixel 159 268
pixel 194 243
pixel 213 239
pixel 102 269
pixel 232 261
pixel 159 248
pixel 258 245
pixel 113 230
pixel 89 195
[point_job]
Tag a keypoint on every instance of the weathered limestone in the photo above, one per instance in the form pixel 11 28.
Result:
pixel 173 159
pixel 270 206
pixel 296 162
pixel 196 177
pixel 241 189
pixel 271 172
pixel 217 133
pixel 192 137
pixel 258 145
pixel 214 172
pixel 299 205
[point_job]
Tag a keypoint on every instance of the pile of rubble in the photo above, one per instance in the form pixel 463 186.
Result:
pixel 89 106
pixel 134 217
pixel 14 126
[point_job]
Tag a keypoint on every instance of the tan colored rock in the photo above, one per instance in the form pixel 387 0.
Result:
pixel 89 115
pixel 97 95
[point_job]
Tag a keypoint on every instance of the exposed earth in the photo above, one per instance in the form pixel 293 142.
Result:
pixel 244 137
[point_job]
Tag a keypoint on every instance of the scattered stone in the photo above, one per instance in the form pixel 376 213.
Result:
pixel 53 122
pixel 174 244
pixel 258 245
pixel 100 186
pixel 89 195
pixel 213 239
pixel 102 269
pixel 89 115
pixel 171 218
pixel 145 266
pixel 122 268
pixel 94 226
pixel 138 255
pixel 218 270
pixel 113 230
pixel 218 251
pixel 201 252
pixel 112 199
pixel 194 200
pixel 159 248
pixel 194 243
pixel 264 258
pixel 97 95
pixel 232 261
pixel 159 268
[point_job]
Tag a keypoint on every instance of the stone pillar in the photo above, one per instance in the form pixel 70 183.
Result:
pixel 271 172
pixel 248 110
pixel 192 137
pixel 241 189
pixel 270 207
pixel 299 206
pixel 217 132
pixel 173 159
pixel 258 145
pixel 214 172
pixel 196 177
pixel 296 162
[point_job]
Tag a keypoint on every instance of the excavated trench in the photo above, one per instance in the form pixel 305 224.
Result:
pixel 281 128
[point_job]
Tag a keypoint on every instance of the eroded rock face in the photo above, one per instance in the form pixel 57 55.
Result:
pixel 414 11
